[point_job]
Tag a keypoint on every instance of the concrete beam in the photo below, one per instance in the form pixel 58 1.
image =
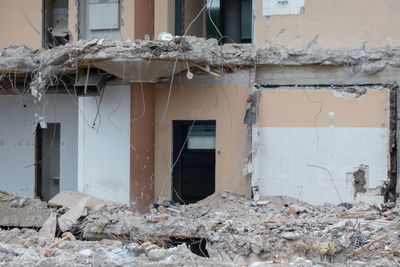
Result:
pixel 140 70
pixel 319 74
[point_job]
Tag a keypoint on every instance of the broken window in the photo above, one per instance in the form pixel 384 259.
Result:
pixel 55 23
pixel 229 21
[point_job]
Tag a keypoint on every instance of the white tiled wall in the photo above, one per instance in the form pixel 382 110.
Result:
pixel 285 159
pixel 282 7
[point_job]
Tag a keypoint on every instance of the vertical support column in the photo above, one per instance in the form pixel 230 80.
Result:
pixel 142 146
pixel 144 19
pixel 142 120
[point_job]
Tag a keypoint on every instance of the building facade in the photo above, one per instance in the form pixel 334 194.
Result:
pixel 313 116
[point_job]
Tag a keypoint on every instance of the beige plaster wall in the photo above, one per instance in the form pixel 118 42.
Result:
pixel 164 17
pixel 334 23
pixel 128 22
pixel 310 108
pixel 21 23
pixel 199 102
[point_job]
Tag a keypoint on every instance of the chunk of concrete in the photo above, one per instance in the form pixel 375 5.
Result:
pixel 33 213
pixel 67 220
pixel 48 229
pixel 71 198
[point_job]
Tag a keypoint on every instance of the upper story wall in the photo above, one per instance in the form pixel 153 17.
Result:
pixel 331 24
pixel 323 23
pixel 21 23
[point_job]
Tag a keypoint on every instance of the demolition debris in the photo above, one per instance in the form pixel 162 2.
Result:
pixel 221 230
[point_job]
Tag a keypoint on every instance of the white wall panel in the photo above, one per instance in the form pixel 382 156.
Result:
pixel 104 149
pixel 283 155
pixel 17 141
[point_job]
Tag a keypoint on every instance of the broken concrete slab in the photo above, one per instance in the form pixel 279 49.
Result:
pixel 71 198
pixel 48 229
pixel 22 212
pixel 67 220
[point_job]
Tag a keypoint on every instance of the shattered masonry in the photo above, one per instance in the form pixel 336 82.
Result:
pixel 232 231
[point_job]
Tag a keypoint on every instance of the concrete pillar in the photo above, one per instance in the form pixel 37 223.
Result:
pixel 142 120
pixel 142 146
pixel 232 10
pixel 144 19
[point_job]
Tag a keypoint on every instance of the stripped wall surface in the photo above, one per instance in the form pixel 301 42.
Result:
pixel 21 23
pixel 310 144
pixel 17 141
pixel 103 156
pixel 329 24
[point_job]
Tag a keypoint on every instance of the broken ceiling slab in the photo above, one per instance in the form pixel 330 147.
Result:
pixel 17 59
pixel 67 220
pixel 48 229
pixel 113 55
pixel 140 70
pixel 71 198
pixel 22 212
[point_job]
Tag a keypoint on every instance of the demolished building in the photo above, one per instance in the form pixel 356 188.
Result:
pixel 303 113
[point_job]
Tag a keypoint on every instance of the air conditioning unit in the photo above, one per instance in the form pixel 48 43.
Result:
pixel 95 84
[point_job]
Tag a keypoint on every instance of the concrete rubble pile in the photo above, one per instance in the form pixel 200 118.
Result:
pixel 223 230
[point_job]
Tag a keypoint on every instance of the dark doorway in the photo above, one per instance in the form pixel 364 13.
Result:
pixel 47 161
pixel 194 158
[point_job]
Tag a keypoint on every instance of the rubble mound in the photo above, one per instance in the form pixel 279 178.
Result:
pixel 224 229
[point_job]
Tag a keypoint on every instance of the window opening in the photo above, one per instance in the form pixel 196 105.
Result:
pixel 233 18
pixel 55 21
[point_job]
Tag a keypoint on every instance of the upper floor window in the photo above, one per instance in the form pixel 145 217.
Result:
pixel 103 15
pixel 229 21
pixel 100 19
pixel 55 23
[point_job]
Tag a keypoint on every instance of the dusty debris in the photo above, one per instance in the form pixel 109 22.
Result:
pixel 49 253
pixel 65 236
pixel 229 229
pixel 327 248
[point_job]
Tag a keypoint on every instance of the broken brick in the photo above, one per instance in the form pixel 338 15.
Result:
pixel 291 212
pixel 49 253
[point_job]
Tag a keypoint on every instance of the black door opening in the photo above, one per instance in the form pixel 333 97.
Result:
pixel 47 161
pixel 194 158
